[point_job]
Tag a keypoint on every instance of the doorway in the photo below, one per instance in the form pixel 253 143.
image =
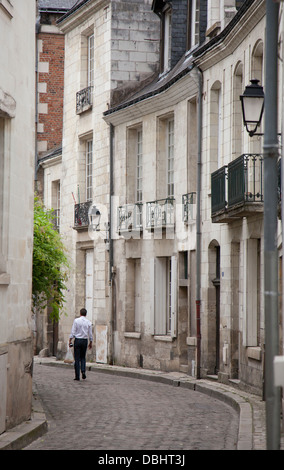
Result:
pixel 214 309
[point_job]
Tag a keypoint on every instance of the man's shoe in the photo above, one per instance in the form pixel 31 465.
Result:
pixel 76 379
pixel 83 375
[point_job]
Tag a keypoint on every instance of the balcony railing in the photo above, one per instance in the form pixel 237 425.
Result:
pixel 237 189
pixel 56 219
pixel 84 100
pixel 81 215
pixel 189 207
pixel 130 218
pixel 160 214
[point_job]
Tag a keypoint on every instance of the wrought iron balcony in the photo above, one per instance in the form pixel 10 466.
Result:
pixel 56 219
pixel 84 100
pixel 130 218
pixel 189 208
pixel 81 215
pixel 237 189
pixel 160 214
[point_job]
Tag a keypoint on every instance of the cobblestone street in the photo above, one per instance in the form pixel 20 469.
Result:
pixel 110 412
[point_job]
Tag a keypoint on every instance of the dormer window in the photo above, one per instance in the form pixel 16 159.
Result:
pixel 193 37
pixel 167 40
pixel 163 8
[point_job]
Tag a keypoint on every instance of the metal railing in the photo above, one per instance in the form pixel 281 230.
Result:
pixel 218 190
pixel 160 213
pixel 241 181
pixel 56 219
pixel 84 99
pixel 81 214
pixel 189 207
pixel 245 179
pixel 130 217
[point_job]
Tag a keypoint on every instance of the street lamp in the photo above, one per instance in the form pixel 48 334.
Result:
pixel 252 106
pixel 94 218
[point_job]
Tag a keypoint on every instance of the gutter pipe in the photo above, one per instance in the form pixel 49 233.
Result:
pixel 270 150
pixel 111 272
pixel 198 225
pixel 37 31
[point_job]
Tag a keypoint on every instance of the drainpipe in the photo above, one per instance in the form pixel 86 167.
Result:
pixel 111 273
pixel 198 226
pixel 270 150
pixel 37 31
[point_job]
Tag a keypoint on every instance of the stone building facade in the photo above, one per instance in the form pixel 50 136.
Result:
pixel 50 51
pixel 17 162
pixel 111 50
pixel 173 279
pixel 232 236
pixel 208 272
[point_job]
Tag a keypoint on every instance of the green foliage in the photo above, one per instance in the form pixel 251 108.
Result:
pixel 50 263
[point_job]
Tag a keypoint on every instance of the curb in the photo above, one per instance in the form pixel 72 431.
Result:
pixel 25 433
pixel 243 403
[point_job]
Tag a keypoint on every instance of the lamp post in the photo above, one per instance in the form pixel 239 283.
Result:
pixel 94 218
pixel 252 107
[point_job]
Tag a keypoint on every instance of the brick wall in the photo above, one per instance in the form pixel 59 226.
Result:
pixel 50 90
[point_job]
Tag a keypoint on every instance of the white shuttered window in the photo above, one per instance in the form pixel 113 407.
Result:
pixel 163 286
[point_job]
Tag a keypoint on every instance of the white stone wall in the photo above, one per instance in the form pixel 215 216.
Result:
pixel 133 347
pixel 219 67
pixel 119 62
pixel 17 145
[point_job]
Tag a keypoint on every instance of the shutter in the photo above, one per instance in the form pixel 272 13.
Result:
pixel 161 296
pixel 252 294
pixel 152 295
pixel 174 296
pixel 89 283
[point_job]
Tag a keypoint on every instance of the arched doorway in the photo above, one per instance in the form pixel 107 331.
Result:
pixel 214 308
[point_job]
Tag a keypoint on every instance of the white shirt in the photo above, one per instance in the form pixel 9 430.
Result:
pixel 82 328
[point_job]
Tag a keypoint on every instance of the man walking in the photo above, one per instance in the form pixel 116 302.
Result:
pixel 81 331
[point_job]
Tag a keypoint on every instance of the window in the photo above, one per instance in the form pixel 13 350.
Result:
pixel 56 203
pixel 163 292
pixel 89 268
pixel 237 143
pixel 170 159
pixel 139 168
pixel 165 157
pixel 4 181
pixel 215 120
pixel 193 23
pixel 89 171
pixel 133 296
pixel 139 178
pixel 91 60
pixel 167 41
pixel 84 97
pixel 2 156
pixel 252 288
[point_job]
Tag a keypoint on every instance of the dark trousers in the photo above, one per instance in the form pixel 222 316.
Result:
pixel 80 349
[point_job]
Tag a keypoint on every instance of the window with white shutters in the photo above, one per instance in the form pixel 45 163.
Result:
pixel 89 171
pixel 163 293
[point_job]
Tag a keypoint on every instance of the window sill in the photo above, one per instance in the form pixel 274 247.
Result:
pixel 4 279
pixel 254 353
pixel 191 341
pixel 7 7
pixel 132 334
pixel 165 338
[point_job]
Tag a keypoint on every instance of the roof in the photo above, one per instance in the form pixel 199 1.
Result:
pixel 159 85
pixel 56 6
pixel 76 6
pixel 184 66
